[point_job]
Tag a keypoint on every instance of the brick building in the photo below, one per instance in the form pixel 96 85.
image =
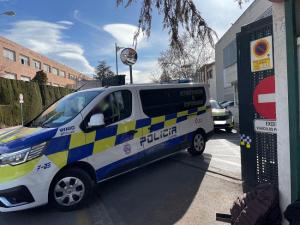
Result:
pixel 18 62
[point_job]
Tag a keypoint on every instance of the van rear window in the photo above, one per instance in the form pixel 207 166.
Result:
pixel 158 102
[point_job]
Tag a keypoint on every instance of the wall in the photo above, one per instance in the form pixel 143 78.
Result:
pixel 212 83
pixel 282 110
pixel 255 11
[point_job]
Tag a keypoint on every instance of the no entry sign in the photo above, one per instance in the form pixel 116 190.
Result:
pixel 264 98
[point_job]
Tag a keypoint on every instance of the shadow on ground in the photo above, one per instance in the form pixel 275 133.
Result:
pixel 232 137
pixel 159 193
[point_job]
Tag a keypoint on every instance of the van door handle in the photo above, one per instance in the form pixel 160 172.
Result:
pixel 132 132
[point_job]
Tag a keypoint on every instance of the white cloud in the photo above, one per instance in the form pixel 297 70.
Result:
pixel 143 72
pixel 48 39
pixel 225 12
pixel 139 77
pixel 77 16
pixel 124 34
pixel 65 22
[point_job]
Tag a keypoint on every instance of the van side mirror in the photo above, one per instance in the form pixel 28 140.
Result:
pixel 96 120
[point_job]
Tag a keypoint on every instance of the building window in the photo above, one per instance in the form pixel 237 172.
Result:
pixel 62 73
pixel 47 68
pixel 230 54
pixel 209 74
pixel 25 78
pixel 11 76
pixel 9 54
pixel 55 71
pixel 72 77
pixel 24 60
pixel 36 64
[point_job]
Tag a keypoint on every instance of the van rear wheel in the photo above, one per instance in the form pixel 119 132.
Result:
pixel 71 189
pixel 198 145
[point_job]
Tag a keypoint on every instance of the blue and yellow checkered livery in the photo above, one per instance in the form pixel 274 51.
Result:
pixel 68 149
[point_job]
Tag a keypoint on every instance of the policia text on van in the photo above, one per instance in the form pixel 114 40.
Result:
pixel 93 135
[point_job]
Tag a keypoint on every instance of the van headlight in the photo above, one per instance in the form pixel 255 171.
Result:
pixel 22 156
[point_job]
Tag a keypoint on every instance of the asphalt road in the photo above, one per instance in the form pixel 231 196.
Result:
pixel 178 190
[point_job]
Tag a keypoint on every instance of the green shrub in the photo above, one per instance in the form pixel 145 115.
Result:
pixel 51 94
pixel 5 91
pixel 36 98
pixel 40 77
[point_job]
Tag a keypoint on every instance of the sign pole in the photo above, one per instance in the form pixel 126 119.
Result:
pixel 117 67
pixel 21 101
pixel 21 104
pixel 130 69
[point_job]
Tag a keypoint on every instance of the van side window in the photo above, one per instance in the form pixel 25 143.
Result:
pixel 158 102
pixel 115 107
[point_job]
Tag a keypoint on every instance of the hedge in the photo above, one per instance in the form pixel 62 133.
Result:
pixel 36 98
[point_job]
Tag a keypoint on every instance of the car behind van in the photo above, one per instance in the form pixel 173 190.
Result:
pixel 90 136
pixel 223 118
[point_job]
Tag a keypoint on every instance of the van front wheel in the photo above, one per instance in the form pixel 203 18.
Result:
pixel 198 145
pixel 71 189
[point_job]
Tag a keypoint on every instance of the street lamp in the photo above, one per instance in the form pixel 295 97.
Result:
pixel 8 13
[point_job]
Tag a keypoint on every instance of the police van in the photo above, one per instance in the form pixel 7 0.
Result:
pixel 96 134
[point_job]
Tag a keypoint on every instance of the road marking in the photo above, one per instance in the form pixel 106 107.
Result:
pixel 266 98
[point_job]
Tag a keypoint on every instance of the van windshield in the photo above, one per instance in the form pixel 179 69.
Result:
pixel 64 110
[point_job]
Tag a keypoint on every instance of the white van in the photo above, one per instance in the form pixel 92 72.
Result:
pixel 92 135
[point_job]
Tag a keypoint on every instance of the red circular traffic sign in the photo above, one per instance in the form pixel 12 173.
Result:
pixel 264 98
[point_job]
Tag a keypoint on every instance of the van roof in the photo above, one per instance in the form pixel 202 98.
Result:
pixel 152 85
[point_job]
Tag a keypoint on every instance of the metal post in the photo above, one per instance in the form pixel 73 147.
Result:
pixel 130 69
pixel 117 68
pixel 293 97
pixel 22 114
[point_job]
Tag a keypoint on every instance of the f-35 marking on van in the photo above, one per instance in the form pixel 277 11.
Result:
pixel 96 134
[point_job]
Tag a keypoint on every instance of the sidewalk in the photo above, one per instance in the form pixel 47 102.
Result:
pixel 215 195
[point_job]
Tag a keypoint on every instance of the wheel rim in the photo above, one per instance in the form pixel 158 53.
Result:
pixel 69 191
pixel 199 143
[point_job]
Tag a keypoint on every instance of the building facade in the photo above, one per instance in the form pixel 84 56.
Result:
pixel 207 75
pixel 20 63
pixel 226 51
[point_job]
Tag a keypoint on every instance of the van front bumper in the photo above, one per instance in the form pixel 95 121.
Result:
pixel 28 191
pixel 14 197
pixel 228 123
pixel 23 195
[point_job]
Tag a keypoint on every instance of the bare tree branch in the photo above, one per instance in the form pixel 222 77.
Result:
pixel 186 63
pixel 176 14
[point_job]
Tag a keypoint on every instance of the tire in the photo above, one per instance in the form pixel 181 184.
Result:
pixel 228 129
pixel 71 189
pixel 198 145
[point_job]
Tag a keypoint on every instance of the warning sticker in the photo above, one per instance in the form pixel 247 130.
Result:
pixel 265 126
pixel 262 54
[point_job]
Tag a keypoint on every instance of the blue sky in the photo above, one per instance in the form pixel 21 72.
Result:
pixel 80 33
